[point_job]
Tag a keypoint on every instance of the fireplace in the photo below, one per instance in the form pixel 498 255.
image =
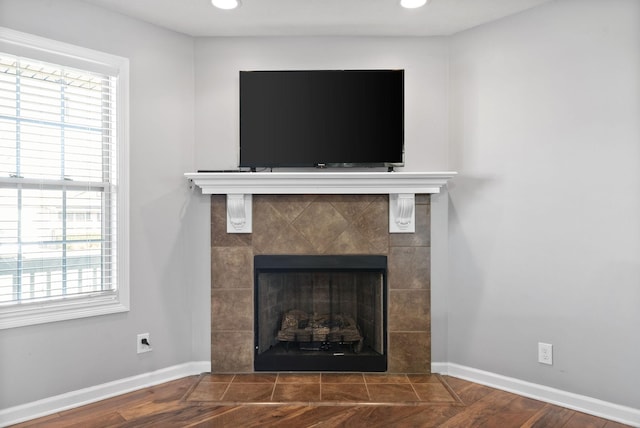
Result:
pixel 319 225
pixel 320 312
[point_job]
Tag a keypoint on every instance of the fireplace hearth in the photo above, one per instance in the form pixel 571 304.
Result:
pixel 320 313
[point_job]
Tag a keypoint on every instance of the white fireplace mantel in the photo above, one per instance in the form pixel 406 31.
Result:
pixel 240 186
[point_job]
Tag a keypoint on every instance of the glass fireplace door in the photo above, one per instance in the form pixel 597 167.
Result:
pixel 320 313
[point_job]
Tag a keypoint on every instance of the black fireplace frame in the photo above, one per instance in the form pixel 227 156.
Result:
pixel 329 361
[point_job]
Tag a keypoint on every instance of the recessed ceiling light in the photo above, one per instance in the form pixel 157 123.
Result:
pixel 226 4
pixel 412 4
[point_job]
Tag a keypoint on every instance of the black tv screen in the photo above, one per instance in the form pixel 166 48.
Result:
pixel 314 118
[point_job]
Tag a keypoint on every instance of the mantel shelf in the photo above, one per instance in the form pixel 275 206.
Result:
pixel 287 183
pixel 400 186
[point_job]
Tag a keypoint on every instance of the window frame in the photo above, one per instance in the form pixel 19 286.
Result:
pixel 74 307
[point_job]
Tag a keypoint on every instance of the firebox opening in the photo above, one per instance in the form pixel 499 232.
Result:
pixel 320 313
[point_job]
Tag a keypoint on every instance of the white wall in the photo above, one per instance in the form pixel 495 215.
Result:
pixel 218 61
pixel 545 216
pixel 425 61
pixel 45 360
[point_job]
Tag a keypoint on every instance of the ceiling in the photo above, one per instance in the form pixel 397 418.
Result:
pixel 317 17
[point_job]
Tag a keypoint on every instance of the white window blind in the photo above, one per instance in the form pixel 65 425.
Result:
pixel 59 184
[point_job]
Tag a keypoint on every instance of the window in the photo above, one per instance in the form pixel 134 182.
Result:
pixel 63 181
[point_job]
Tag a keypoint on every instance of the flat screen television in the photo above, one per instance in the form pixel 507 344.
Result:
pixel 321 118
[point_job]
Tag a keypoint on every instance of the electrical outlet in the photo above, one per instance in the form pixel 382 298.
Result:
pixel 545 353
pixel 143 344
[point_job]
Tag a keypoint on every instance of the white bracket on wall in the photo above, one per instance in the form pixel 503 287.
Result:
pixel 402 213
pixel 239 213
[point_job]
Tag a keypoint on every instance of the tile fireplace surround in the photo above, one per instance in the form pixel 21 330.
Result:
pixel 320 224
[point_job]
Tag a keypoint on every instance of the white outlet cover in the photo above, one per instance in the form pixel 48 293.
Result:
pixel 545 353
pixel 141 347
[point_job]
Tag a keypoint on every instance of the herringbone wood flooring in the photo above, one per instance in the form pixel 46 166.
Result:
pixel 173 405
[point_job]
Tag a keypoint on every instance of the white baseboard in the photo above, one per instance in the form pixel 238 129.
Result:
pixel 69 400
pixel 581 403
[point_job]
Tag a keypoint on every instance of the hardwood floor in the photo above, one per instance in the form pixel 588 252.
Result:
pixel 175 404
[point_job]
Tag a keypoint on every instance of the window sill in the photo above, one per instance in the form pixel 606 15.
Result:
pixel 64 309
